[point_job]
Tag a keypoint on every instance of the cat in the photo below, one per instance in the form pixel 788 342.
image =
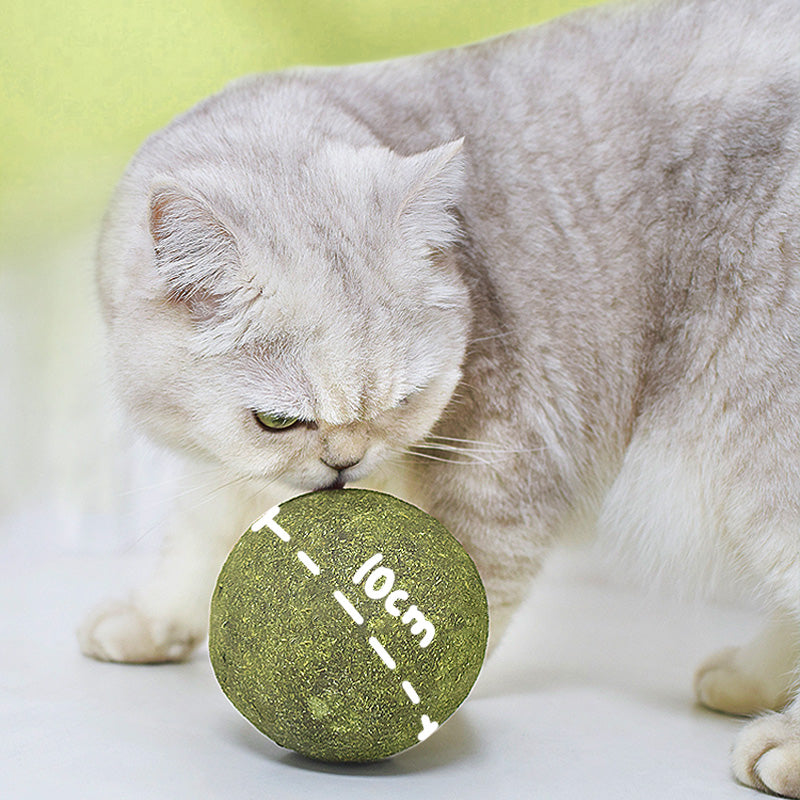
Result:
pixel 550 276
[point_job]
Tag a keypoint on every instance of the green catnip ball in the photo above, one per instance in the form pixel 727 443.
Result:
pixel 347 625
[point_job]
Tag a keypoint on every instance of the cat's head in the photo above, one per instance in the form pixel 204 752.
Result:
pixel 307 322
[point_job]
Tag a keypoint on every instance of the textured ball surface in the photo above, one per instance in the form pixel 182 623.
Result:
pixel 347 625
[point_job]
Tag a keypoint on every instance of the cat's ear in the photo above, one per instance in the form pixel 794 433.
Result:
pixel 195 253
pixel 434 182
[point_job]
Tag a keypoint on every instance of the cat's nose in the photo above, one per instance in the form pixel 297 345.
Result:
pixel 342 446
pixel 340 466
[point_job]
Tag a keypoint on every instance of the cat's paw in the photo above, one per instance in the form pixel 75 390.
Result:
pixel 122 632
pixel 766 755
pixel 724 684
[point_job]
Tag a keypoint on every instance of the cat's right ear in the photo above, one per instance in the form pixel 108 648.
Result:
pixel 434 180
pixel 195 253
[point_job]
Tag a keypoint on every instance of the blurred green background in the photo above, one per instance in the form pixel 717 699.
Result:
pixel 83 82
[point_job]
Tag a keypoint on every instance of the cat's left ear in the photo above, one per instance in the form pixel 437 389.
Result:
pixel 195 253
pixel 434 183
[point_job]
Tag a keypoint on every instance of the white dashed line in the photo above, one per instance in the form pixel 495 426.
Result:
pixel 268 521
pixel 428 727
pixel 348 607
pixel 306 561
pixel 381 651
pixel 411 692
pixel 261 522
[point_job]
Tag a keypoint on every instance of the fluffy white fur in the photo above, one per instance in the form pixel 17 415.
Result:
pixel 550 276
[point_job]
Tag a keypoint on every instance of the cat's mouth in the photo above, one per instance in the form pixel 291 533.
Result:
pixel 337 484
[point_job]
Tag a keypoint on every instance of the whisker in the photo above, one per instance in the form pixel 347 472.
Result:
pixel 471 460
pixel 399 461
pixel 486 338
pixel 212 487
pixel 454 439
pixel 177 479
pixel 473 453
pixel 256 492
pixel 465 448
pixel 480 448
pixel 176 489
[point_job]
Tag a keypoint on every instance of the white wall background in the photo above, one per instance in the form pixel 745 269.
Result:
pixel 73 476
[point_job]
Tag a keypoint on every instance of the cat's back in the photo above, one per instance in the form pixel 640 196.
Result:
pixel 587 87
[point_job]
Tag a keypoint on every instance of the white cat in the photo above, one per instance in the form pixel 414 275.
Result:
pixel 553 274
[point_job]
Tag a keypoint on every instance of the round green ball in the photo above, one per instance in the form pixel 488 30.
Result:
pixel 348 684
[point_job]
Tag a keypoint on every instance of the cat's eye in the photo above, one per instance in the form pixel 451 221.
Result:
pixel 275 422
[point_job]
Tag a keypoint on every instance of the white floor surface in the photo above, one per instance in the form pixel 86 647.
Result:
pixel 588 697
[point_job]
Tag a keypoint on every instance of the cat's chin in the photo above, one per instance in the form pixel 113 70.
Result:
pixel 339 483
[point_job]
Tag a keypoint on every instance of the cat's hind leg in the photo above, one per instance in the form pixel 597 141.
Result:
pixel 766 754
pixel 759 676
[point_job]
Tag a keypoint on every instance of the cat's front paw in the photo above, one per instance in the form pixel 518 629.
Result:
pixel 122 632
pixel 724 684
pixel 766 755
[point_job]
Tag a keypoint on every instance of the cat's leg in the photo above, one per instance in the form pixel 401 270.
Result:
pixel 508 544
pixel 766 755
pixel 758 676
pixel 167 617
pixel 507 577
